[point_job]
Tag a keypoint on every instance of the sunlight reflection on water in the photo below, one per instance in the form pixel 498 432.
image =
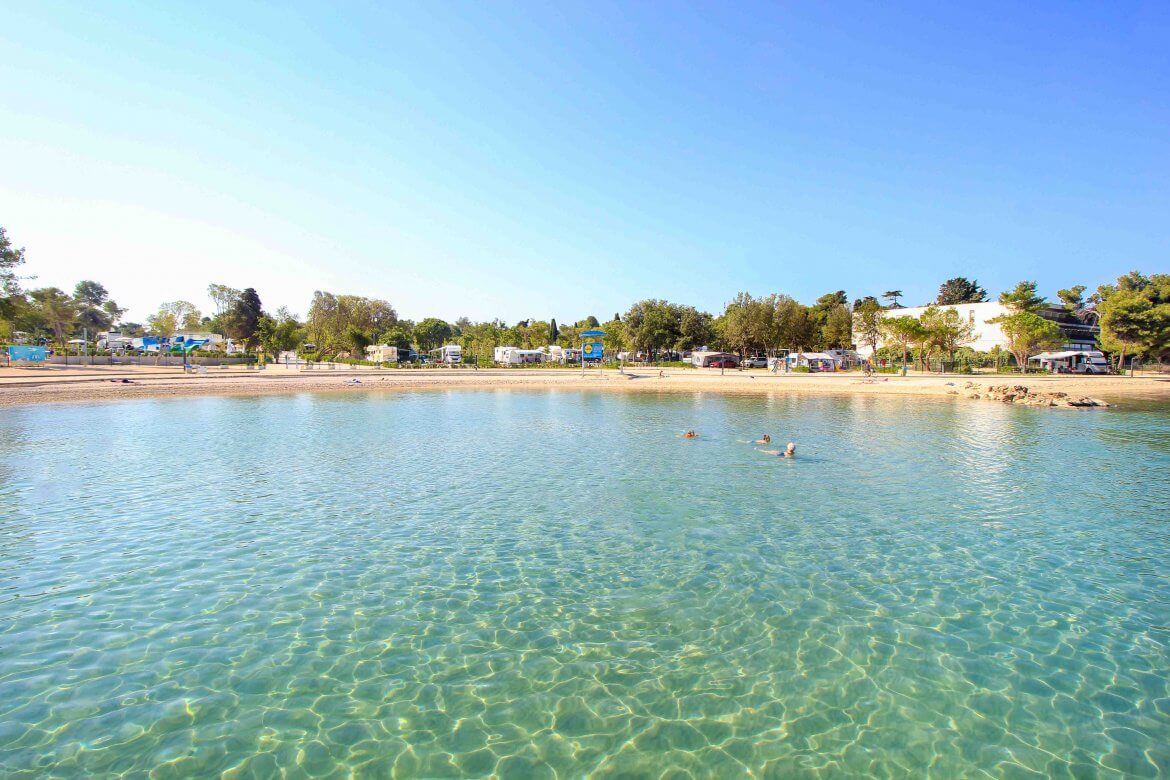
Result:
pixel 540 583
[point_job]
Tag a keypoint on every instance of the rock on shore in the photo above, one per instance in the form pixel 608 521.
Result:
pixel 1020 394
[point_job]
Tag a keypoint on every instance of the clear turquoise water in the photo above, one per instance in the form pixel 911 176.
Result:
pixel 554 584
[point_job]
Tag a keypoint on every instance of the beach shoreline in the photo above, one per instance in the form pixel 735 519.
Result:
pixel 22 387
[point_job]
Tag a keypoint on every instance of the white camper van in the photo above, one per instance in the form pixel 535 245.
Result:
pixel 1073 362
pixel 450 354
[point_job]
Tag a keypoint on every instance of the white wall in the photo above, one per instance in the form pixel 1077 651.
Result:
pixel 987 334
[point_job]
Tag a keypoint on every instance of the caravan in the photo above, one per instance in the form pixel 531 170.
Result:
pixel 1073 362
pixel 514 356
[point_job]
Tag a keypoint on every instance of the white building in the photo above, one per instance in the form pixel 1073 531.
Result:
pixel 1079 335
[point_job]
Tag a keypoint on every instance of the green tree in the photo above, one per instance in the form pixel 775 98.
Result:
pixel 223 297
pixel 651 325
pixel 1027 333
pixel 173 317
pixel 330 317
pixel 695 328
pixel 95 310
pixel 747 323
pixel 903 331
pixel 837 332
pixel 1073 298
pixel 892 296
pixel 1022 297
pixel 11 258
pixel 244 316
pixel 867 321
pixel 431 333
pixel 279 333
pixel 402 337
pixel 793 326
pixel 960 290
pixel 358 341
pixel 616 339
pixel 948 330
pixel 55 311
pixel 1135 316
pixel 553 333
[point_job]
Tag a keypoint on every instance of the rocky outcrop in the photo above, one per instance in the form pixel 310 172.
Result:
pixel 1020 394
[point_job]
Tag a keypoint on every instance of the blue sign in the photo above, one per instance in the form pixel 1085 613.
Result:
pixel 593 350
pixel 26 354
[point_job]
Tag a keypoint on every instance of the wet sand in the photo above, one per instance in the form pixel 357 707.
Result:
pixel 22 386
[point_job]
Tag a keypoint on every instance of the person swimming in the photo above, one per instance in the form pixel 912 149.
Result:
pixel 789 451
pixel 765 439
pixel 690 435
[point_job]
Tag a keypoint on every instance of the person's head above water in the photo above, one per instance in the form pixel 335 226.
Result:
pixel 790 450
pixel 766 438
pixel 690 434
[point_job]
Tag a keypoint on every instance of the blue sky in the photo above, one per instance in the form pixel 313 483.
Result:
pixel 565 159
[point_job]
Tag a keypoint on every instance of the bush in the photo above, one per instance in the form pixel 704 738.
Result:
pixel 801 370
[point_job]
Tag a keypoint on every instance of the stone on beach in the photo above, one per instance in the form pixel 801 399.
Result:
pixel 1021 394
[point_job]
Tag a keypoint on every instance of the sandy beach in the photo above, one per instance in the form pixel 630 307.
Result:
pixel 22 386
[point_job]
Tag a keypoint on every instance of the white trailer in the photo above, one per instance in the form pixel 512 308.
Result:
pixel 382 353
pixel 450 354
pixel 514 356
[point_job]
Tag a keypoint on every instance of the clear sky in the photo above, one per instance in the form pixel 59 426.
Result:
pixel 564 159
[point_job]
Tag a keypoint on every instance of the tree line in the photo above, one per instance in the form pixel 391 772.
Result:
pixel 1133 313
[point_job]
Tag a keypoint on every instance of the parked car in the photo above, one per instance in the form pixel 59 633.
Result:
pixel 756 361
pixel 722 363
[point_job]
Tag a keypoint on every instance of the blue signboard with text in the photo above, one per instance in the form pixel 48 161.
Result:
pixel 593 350
pixel 19 354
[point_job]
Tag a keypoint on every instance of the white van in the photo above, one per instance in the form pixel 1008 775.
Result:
pixel 1075 361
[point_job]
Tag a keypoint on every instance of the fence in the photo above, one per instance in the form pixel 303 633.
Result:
pixel 145 360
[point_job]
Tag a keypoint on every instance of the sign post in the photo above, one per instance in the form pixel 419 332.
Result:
pixel 592 350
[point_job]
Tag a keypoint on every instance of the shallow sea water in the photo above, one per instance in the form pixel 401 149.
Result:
pixel 553 584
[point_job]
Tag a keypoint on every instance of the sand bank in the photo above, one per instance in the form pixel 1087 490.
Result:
pixel 100 383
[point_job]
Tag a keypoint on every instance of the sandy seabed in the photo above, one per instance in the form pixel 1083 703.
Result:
pixel 58 384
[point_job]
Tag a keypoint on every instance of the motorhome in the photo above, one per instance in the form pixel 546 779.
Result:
pixel 449 354
pixel 114 341
pixel 1086 361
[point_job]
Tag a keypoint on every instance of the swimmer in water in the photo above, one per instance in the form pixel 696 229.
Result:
pixel 789 451
pixel 690 435
pixel 765 439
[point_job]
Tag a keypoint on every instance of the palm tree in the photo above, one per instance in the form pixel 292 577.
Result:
pixel 892 296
